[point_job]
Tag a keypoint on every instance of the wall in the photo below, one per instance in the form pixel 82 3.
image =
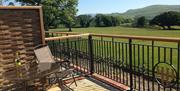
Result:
pixel 20 31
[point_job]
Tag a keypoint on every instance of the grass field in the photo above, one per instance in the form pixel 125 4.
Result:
pixel 130 31
pixel 126 31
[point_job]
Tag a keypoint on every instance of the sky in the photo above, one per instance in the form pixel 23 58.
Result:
pixel 116 6
pixel 120 6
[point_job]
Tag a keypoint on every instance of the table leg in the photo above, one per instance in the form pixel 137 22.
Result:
pixel 25 86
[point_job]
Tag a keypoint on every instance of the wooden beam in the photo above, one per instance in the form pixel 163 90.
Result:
pixel 69 33
pixel 150 38
pixel 20 7
pixel 66 37
pixel 42 25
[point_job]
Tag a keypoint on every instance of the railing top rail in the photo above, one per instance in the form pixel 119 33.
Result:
pixel 152 38
pixel 149 38
pixel 69 33
pixel 20 7
pixel 66 37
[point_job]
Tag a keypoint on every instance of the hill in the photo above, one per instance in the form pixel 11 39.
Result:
pixel 149 11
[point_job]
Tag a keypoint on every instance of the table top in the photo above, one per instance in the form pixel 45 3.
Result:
pixel 23 73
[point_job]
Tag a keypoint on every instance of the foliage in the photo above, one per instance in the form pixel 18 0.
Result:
pixel 84 20
pixel 168 19
pixel 140 22
pixel 126 20
pixel 11 4
pixel 106 21
pixel 56 11
pixel 1 2
pixel 98 20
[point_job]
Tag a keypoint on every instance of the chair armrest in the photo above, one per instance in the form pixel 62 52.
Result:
pixel 62 62
pixel 65 64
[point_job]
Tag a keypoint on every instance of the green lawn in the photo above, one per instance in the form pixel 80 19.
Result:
pixel 130 31
pixel 126 31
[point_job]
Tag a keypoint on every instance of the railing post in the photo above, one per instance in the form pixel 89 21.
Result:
pixel 68 51
pixel 90 42
pixel 130 63
pixel 178 65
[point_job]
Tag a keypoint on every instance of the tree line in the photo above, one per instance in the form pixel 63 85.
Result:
pixel 100 20
pixel 164 20
pixel 63 12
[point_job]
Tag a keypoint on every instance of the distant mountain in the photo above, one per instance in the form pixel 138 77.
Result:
pixel 149 11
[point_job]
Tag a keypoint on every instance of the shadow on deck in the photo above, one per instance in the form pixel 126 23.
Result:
pixel 87 84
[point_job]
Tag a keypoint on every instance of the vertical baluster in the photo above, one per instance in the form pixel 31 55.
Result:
pixel 101 55
pixel 116 63
pixel 170 59
pixel 120 62
pixel 110 62
pixel 164 61
pixel 108 52
pixel 98 56
pixel 143 67
pixel 127 65
pixel 75 52
pixel 139 80
pixel 159 59
pixel 134 66
pixel 106 57
pixel 102 61
pixel 123 61
pixel 153 63
pixel 113 61
pixel 95 55
pixel 178 65
pixel 148 59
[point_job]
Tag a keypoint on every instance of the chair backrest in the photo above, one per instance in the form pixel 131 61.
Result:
pixel 44 54
pixel 44 57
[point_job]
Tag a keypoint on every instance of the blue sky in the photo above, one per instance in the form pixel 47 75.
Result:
pixel 113 6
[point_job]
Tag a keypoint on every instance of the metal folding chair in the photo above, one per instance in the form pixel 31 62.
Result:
pixel 44 56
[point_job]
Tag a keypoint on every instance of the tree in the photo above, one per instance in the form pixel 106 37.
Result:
pixel 98 20
pixel 68 12
pixel 106 20
pixel 11 4
pixel 115 20
pixel 84 20
pixel 166 19
pixel 141 21
pixel 1 2
pixel 55 11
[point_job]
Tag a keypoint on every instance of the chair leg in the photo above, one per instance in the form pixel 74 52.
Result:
pixel 60 82
pixel 74 80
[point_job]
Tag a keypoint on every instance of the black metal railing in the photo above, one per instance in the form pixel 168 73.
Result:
pixel 142 63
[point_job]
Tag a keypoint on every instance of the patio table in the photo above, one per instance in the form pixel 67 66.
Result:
pixel 24 73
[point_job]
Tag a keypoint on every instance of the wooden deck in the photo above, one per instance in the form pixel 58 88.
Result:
pixel 87 84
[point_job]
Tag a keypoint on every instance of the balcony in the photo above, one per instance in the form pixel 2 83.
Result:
pixel 124 62
pixel 118 62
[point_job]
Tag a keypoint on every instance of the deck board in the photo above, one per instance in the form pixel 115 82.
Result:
pixel 87 85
